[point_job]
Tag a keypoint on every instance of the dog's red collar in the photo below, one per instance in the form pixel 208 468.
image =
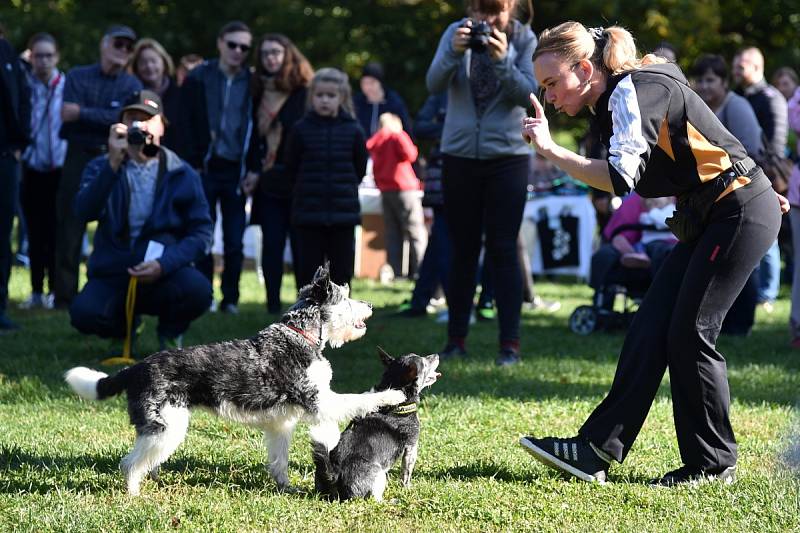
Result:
pixel 314 341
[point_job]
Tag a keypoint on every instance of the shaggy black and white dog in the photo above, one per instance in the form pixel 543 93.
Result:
pixel 271 381
pixel 367 449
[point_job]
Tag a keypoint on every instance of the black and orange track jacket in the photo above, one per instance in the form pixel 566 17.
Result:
pixel 662 139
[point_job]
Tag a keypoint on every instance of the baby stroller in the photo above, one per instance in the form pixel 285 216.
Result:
pixel 612 280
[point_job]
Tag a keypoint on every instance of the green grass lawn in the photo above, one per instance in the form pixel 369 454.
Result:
pixel 59 455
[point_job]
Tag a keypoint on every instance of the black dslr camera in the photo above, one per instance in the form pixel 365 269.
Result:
pixel 479 34
pixel 137 137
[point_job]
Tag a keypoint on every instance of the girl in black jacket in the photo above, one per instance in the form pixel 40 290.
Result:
pixel 326 158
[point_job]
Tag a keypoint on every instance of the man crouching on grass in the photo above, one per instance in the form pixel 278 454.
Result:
pixel 153 222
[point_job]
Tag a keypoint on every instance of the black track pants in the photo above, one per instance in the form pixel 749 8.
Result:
pixel 677 326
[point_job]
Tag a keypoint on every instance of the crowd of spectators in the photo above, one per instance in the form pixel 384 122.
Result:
pixel 257 121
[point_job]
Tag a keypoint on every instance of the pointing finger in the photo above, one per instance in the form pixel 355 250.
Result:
pixel 537 107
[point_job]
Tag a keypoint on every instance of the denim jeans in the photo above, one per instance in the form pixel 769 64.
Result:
pixel 770 274
pixel 176 300
pixel 435 262
pixel 221 185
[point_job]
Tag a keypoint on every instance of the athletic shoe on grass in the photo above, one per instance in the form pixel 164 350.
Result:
pixel 573 456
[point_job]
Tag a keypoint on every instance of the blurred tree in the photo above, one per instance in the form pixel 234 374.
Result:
pixel 402 34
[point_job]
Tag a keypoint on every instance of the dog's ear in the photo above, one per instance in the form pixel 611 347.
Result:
pixel 321 284
pixel 412 371
pixel 386 359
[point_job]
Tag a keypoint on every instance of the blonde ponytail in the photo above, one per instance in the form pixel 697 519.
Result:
pixel 612 49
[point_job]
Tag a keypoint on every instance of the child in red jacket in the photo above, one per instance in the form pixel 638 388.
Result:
pixel 392 152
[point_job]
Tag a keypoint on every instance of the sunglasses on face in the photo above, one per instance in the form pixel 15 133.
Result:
pixel 123 44
pixel 46 55
pixel 234 45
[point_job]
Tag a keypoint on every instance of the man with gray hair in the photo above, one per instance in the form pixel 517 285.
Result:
pixel 772 113
pixel 93 97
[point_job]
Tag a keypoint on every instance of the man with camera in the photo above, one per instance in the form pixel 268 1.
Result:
pixel 153 224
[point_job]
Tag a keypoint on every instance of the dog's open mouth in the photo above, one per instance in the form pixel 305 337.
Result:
pixel 360 324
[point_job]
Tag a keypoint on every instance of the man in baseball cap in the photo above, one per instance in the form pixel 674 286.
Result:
pixel 145 101
pixel 120 31
pixel 153 224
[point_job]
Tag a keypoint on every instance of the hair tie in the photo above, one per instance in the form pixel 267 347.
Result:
pixel 598 34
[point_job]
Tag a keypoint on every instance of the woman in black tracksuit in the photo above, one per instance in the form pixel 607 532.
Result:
pixel 662 140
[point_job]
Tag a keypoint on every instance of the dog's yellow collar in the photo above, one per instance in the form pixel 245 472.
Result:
pixel 404 409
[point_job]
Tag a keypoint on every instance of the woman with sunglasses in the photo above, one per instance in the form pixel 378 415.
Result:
pixel 216 127
pixel 662 140
pixel 282 74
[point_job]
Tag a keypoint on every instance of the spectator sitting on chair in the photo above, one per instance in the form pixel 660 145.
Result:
pixel 631 248
pixel 145 197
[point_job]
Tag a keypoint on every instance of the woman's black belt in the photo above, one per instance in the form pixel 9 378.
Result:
pixel 693 208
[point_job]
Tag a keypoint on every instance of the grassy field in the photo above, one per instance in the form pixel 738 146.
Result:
pixel 59 455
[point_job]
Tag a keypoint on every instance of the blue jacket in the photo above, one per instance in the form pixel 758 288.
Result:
pixel 179 220
pixel 15 99
pixel 201 98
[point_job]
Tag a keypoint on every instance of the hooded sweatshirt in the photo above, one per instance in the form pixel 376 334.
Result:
pixel 392 154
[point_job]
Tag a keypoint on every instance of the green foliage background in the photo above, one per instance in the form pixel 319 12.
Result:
pixel 402 34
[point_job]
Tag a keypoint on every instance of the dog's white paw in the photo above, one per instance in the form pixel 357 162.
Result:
pixel 392 397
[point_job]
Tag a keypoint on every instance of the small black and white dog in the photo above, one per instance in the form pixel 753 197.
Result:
pixel 371 444
pixel 271 381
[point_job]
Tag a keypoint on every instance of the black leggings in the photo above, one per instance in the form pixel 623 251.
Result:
pixel 38 195
pixel 317 244
pixel 484 196
pixel 676 327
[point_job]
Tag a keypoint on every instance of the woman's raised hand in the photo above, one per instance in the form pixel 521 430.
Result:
pixel 536 130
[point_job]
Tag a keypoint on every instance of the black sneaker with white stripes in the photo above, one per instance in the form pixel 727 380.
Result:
pixel 573 456
pixel 692 476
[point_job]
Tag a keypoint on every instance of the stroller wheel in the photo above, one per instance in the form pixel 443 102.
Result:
pixel 583 320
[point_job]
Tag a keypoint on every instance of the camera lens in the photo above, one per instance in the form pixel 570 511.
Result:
pixel 479 36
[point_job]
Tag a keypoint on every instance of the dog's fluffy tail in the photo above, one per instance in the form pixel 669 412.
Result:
pixel 326 479
pixel 93 385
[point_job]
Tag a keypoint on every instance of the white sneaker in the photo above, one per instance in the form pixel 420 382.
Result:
pixel 214 306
